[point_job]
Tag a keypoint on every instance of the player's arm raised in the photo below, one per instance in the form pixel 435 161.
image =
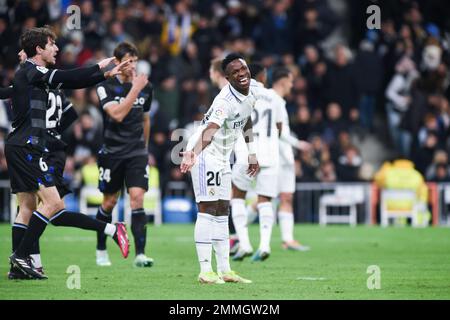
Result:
pixel 253 165
pixel 190 155
pixel 79 77
pixel 118 111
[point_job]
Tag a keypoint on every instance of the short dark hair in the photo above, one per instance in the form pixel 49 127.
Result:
pixel 230 58
pixel 35 37
pixel 123 48
pixel 255 69
pixel 280 73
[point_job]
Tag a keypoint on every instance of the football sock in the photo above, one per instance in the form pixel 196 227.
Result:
pixel 18 231
pixel 238 213
pixel 105 216
pixel 265 225
pixel 286 221
pixel 36 227
pixel 64 218
pixel 202 236
pixel 139 229
pixel 221 243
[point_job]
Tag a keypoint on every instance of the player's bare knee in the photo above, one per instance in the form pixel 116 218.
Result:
pixel 238 193
pixel 23 217
pixel 286 198
pixel 136 200
pixel 50 208
pixel 109 202
pixel 262 199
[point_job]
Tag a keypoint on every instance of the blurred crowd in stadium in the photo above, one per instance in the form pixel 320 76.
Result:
pixel 350 82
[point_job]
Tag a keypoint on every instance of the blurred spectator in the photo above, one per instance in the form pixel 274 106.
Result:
pixel 276 30
pixel 341 81
pixel 168 97
pixel 440 174
pixel 349 164
pixel 178 28
pixel 334 123
pixel 231 25
pixel 424 154
pixel 433 172
pixel 85 139
pixel 398 94
pixel 327 172
pixel 302 127
pixel 369 76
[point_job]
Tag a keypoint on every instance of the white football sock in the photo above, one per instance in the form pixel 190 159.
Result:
pixel 37 263
pixel 221 243
pixel 266 219
pixel 286 221
pixel 203 240
pixel 239 214
pixel 110 229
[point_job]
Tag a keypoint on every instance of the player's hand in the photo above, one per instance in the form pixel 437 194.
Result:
pixel 105 62
pixel 304 146
pixel 139 82
pixel 188 161
pixel 253 165
pixel 118 69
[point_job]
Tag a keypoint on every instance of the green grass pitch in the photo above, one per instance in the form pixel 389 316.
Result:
pixel 414 264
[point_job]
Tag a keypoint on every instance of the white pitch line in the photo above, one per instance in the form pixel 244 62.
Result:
pixel 311 278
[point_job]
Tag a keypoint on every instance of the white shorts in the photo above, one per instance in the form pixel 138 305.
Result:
pixel 264 184
pixel 211 179
pixel 286 179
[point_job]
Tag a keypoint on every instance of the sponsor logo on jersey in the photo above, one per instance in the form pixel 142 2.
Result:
pixel 137 102
pixel 239 124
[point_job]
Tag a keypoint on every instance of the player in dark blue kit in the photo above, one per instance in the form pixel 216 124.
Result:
pixel 123 158
pixel 32 146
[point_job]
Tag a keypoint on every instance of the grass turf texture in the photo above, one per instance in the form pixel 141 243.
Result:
pixel 414 264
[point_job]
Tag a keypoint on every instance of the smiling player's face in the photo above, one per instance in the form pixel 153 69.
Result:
pixel 238 75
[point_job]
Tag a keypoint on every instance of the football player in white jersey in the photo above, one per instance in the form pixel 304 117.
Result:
pixel 282 82
pixel 267 123
pixel 217 77
pixel 212 144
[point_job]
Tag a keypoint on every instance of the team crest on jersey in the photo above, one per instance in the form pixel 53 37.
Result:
pixel 219 112
pixel 211 192
pixel 101 93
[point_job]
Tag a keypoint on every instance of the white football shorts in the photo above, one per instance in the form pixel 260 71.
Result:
pixel 211 179
pixel 264 184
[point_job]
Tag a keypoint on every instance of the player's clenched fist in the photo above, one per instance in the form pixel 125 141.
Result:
pixel 188 161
